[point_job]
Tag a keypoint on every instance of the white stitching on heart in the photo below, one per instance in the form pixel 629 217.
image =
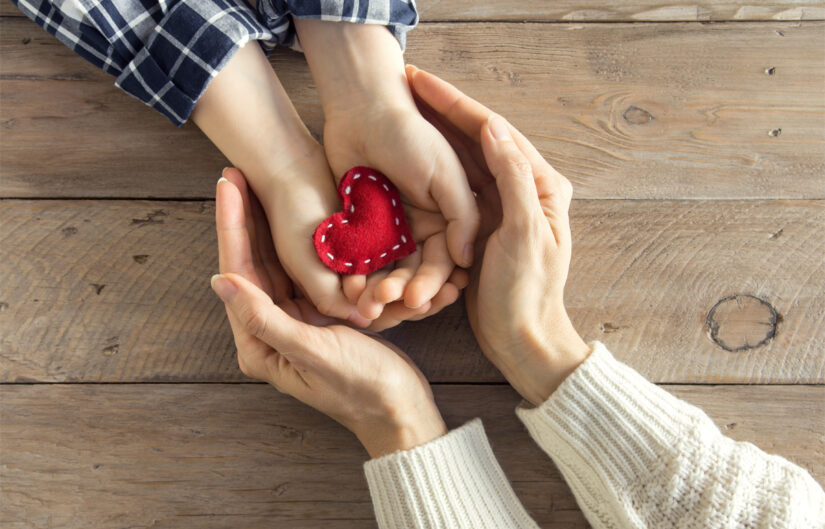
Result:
pixel 347 191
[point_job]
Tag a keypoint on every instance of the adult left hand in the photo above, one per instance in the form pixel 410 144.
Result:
pixel 363 382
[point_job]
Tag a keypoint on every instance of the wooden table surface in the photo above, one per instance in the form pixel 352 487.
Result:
pixel 694 134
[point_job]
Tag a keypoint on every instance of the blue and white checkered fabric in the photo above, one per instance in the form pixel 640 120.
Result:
pixel 165 52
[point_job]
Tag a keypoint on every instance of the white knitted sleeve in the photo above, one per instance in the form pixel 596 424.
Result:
pixel 454 481
pixel 636 456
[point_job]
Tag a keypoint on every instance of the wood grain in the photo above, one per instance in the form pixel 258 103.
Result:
pixel 205 456
pixel 674 110
pixel 639 10
pixel 592 10
pixel 118 291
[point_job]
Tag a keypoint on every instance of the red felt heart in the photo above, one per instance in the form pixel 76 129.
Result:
pixel 370 232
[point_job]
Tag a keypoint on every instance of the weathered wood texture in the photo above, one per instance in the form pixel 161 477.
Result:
pixel 592 10
pixel 676 110
pixel 214 455
pixel 599 10
pixel 118 291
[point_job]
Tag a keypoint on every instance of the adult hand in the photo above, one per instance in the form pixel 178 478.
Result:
pixel 364 383
pixel 371 120
pixel 515 301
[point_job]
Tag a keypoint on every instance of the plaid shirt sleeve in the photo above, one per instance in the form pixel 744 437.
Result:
pixel 165 53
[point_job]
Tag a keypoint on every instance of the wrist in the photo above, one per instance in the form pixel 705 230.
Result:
pixel 396 433
pixel 550 361
pixel 355 66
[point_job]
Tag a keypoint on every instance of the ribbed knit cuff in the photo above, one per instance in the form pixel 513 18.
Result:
pixel 453 481
pixel 607 428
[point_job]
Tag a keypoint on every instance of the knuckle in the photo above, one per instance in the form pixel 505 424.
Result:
pixel 255 321
pixel 518 165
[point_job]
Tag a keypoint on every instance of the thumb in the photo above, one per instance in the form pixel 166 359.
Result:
pixel 259 316
pixel 511 169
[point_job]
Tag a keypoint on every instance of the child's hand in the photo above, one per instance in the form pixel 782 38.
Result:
pixel 246 248
pixel 372 120
pixel 400 143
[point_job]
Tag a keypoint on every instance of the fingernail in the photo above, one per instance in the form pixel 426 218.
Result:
pixel 222 179
pixel 224 288
pixel 223 171
pixel 468 254
pixel 499 128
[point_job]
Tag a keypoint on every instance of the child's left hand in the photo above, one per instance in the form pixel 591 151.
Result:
pixel 372 120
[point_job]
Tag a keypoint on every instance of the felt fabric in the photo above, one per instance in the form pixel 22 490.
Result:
pixel 370 232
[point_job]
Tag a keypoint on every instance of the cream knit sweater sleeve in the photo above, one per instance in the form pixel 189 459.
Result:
pixel 634 456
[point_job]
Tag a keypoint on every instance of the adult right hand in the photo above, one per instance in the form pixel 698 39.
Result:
pixel 515 300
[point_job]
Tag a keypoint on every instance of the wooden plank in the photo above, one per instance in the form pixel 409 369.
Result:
pixel 118 291
pixel 244 455
pixel 639 10
pixel 673 110
pixel 597 10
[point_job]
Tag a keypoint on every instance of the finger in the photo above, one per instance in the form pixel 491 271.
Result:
pixel 455 200
pixel 368 306
pixel 395 313
pixel 512 171
pixel 392 288
pixel 445 297
pixel 354 286
pixel 234 245
pixel 323 287
pixel 258 316
pixel 435 268
pixel 460 278
pixel 258 273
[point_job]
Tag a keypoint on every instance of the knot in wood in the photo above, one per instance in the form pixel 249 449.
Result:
pixel 637 116
pixel 741 322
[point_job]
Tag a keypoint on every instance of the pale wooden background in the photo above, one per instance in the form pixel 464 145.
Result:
pixel 694 134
